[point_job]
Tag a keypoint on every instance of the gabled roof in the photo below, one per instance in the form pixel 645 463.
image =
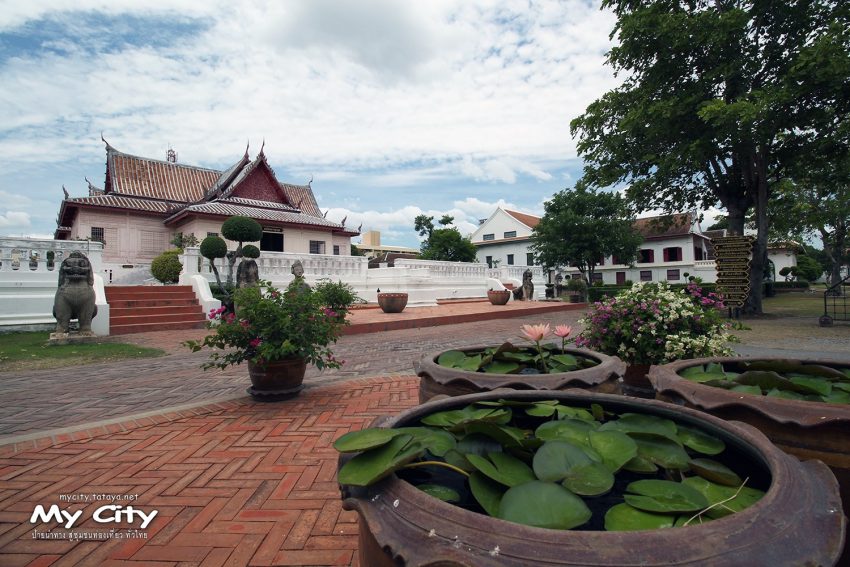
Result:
pixel 528 220
pixel 664 226
pixel 155 179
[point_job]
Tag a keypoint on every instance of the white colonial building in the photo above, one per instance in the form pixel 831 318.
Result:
pixel 674 247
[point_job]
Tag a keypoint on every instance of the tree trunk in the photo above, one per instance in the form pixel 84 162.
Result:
pixel 753 306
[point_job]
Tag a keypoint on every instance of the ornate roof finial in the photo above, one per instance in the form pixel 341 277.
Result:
pixel 247 145
pixel 310 183
pixel 325 214
pixel 345 218
pixel 66 192
pixel 109 147
pixel 360 227
pixel 261 154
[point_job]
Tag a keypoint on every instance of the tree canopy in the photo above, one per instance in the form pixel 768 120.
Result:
pixel 580 227
pixel 444 243
pixel 720 101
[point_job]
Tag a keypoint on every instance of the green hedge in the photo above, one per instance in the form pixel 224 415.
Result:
pixel 791 285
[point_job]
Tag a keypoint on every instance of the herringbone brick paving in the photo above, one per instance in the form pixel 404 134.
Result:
pixel 241 483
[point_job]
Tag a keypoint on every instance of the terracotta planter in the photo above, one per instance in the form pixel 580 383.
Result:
pixel 499 297
pixel 437 380
pixel 808 430
pixel 636 383
pixel 392 302
pixel 797 522
pixel 277 380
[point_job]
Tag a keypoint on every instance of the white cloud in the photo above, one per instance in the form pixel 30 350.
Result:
pixel 14 220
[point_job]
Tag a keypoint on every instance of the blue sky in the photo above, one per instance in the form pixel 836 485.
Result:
pixel 395 108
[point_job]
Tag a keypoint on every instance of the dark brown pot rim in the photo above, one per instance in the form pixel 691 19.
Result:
pixel 392 294
pixel 498 291
pixel 609 367
pixel 665 378
pixel 803 499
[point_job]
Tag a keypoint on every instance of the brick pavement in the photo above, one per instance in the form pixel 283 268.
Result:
pixel 238 483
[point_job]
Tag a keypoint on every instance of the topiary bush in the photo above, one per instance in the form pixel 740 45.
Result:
pixel 213 247
pixel 166 267
pixel 250 251
pixel 242 229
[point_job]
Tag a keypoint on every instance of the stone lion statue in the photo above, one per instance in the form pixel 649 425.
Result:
pixel 527 286
pixel 75 297
pixel 248 273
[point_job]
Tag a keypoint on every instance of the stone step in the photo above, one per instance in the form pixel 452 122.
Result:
pixel 127 329
pixel 147 317
pixel 145 295
pixel 153 303
pixel 148 311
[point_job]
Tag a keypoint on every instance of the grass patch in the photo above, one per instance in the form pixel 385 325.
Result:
pixel 29 351
pixel 796 303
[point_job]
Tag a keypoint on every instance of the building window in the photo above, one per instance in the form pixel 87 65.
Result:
pixel 489 261
pixel 97 233
pixel 272 241
pixel 510 259
pixel 615 260
pixel 336 249
pixel 529 259
pixel 646 275
pixel 596 277
pixel 646 257
pixel 317 247
pixel 601 261
pixel 673 275
pixel 698 254
pixel 621 278
pixel 212 234
pixel 510 234
pixel 489 237
pixel 673 254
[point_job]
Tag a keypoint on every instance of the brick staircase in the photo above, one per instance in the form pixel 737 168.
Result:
pixel 136 309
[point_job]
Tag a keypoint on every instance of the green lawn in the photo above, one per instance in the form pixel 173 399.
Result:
pixel 30 351
pixel 796 303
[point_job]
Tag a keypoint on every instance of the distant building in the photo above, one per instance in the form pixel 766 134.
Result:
pixel 673 246
pixel 372 247
pixel 145 202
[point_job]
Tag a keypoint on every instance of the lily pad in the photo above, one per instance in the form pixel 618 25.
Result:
pixel 664 496
pixel 784 394
pixel 572 430
pixel 699 374
pixel 661 451
pixel 437 442
pixel 451 358
pixel 363 440
pixel 505 435
pixel 700 441
pixel 754 390
pixel 554 459
pixel 369 467
pixel 567 360
pixel 615 447
pixel 640 465
pixel 820 386
pixel 501 367
pixel 478 444
pixel 453 418
pixel 589 479
pixel 764 380
pixel 715 472
pixel 837 397
pixel 543 505
pixel 487 492
pixel 716 493
pixel 503 468
pixel 622 518
pixel 444 493
pixel 642 423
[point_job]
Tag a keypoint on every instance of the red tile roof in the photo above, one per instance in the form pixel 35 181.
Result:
pixel 528 220
pixel 154 179
pixel 664 226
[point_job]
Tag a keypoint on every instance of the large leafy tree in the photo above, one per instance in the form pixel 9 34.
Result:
pixel 719 99
pixel 444 243
pixel 580 227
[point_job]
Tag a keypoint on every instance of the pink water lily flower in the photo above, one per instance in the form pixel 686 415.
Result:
pixel 535 333
pixel 563 331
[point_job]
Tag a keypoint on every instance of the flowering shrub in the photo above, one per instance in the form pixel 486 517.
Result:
pixel 652 324
pixel 271 325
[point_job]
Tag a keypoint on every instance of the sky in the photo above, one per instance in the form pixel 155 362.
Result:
pixel 394 108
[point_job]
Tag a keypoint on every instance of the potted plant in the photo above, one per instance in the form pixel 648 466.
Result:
pixel 278 333
pixel 534 366
pixel 498 296
pixel 392 302
pixel 579 478
pixel 801 405
pixel 650 323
